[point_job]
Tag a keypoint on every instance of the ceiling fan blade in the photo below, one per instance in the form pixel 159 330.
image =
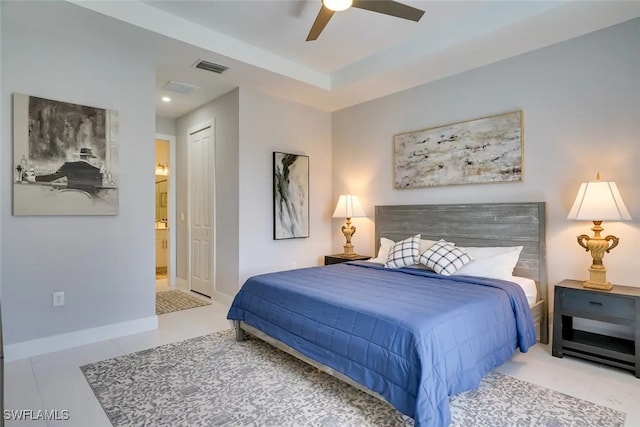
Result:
pixel 390 7
pixel 321 21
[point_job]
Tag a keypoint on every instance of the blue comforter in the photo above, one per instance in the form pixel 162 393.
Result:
pixel 410 335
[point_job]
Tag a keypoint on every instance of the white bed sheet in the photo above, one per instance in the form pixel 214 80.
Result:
pixel 527 285
pixel 529 288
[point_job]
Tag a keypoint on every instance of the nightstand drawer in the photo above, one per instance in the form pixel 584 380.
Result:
pixel 598 303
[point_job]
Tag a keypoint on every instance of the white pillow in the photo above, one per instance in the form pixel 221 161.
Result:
pixel 493 262
pixel 404 253
pixel 383 252
pixel 443 258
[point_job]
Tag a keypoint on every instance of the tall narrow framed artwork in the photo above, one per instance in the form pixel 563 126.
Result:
pixel 290 196
pixel 477 151
pixel 65 158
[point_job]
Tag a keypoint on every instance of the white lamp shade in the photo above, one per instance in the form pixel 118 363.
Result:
pixel 348 207
pixel 599 201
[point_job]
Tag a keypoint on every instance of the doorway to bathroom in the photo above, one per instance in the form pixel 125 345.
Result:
pixel 164 211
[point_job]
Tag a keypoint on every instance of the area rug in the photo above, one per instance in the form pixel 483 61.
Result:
pixel 176 300
pixel 215 381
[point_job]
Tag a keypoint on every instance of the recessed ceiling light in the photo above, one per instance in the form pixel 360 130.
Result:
pixel 166 99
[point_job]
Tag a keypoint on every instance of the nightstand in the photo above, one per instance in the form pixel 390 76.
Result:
pixel 620 306
pixel 338 258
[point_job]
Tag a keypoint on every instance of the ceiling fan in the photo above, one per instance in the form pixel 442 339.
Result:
pixel 387 7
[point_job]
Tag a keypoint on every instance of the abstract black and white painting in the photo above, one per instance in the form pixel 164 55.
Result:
pixel 290 196
pixel 65 158
pixel 473 152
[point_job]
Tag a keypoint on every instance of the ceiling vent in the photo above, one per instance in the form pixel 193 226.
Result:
pixel 184 88
pixel 210 66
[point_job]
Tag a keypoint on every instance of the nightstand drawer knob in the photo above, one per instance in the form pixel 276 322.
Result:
pixel 595 303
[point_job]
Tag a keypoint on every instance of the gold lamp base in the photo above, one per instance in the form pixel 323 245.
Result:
pixel 595 282
pixel 348 252
pixel 348 230
pixel 597 245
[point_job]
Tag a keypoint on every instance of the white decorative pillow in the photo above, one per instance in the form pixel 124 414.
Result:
pixel 443 258
pixel 383 252
pixel 386 244
pixel 404 253
pixel 426 244
pixel 493 262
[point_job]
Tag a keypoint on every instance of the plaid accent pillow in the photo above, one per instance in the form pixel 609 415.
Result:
pixel 404 253
pixel 444 259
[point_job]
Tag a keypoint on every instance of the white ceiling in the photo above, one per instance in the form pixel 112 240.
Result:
pixel 361 55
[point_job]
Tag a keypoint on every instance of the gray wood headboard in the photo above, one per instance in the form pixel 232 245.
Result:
pixel 482 224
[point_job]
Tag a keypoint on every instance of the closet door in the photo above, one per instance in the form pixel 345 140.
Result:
pixel 201 196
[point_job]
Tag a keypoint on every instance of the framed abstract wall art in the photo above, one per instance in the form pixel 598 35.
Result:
pixel 290 196
pixel 65 158
pixel 473 152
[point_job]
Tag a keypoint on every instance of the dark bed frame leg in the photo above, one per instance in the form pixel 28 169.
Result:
pixel 240 334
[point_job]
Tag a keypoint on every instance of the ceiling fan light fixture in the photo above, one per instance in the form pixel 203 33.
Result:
pixel 385 7
pixel 337 5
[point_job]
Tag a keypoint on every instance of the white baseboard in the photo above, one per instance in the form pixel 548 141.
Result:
pixel 217 296
pixel 222 298
pixel 59 342
pixel 182 283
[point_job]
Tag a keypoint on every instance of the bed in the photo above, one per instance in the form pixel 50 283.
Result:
pixel 407 335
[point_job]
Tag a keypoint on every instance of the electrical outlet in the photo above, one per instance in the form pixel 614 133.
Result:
pixel 58 299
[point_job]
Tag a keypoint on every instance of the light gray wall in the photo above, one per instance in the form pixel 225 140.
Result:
pixel 224 110
pixel 267 125
pixel 581 105
pixel 165 125
pixel 1 163
pixel 249 126
pixel 105 265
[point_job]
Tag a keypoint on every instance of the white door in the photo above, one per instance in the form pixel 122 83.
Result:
pixel 201 196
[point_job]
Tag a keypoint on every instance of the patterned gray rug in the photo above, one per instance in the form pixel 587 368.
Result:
pixel 215 381
pixel 176 300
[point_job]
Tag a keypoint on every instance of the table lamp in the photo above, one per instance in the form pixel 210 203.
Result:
pixel 348 207
pixel 598 201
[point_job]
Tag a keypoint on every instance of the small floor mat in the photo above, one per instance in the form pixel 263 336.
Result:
pixel 176 300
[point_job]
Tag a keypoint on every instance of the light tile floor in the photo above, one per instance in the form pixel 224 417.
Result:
pixel 54 380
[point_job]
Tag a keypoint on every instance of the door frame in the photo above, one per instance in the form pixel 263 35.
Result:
pixel 193 129
pixel 171 208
